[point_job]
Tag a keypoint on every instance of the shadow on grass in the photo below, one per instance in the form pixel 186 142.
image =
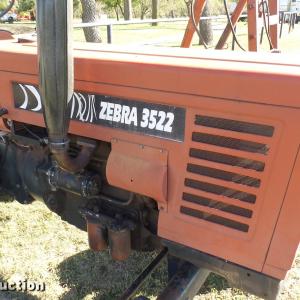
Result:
pixel 15 295
pixel 214 283
pixel 97 275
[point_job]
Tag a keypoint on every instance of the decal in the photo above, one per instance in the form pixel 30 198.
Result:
pixel 144 117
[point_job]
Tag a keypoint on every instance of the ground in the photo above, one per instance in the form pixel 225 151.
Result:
pixel 170 34
pixel 36 245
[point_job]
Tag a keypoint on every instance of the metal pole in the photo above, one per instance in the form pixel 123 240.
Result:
pixel 234 19
pixel 109 33
pixel 190 29
pixel 185 284
pixel 144 275
pixel 233 40
pixel 261 35
pixel 274 27
pixel 253 34
pixel 281 21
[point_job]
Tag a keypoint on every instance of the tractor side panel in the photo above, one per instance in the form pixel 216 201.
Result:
pixel 228 175
pixel 235 174
pixel 287 235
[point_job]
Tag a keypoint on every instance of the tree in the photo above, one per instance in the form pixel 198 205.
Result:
pixel 26 5
pixel 142 7
pixel 77 9
pixel 206 25
pixel 2 5
pixel 155 11
pixel 116 5
pixel 89 15
pixel 6 7
pixel 188 4
pixel 127 9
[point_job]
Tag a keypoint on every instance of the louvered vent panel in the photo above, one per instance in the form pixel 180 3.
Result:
pixel 224 172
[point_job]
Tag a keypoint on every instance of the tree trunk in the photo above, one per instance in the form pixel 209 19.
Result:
pixel 117 13
pixel 155 10
pixel 127 10
pixel 188 4
pixel 144 10
pixel 206 25
pixel 89 15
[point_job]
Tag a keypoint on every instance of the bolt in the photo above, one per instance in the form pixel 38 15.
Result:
pixel 9 123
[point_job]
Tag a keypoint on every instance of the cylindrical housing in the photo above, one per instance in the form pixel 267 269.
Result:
pixel 96 236
pixel 54 26
pixel 119 243
pixel 83 184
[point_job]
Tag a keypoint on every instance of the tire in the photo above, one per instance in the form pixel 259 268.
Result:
pixel 10 20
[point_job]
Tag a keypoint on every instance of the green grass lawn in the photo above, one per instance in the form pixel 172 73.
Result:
pixel 141 34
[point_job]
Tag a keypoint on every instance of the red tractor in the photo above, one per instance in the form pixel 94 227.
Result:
pixel 192 153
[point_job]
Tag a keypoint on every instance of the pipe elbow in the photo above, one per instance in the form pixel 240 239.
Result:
pixel 73 164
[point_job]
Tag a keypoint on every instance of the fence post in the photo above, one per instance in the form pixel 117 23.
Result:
pixel 109 33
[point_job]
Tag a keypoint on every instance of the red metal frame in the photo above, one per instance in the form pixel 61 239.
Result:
pixel 255 23
pixel 190 29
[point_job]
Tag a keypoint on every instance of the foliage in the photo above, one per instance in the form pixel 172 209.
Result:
pixel 29 5
pixel 26 5
pixel 114 5
pixel 3 4
pixel 77 8
pixel 142 8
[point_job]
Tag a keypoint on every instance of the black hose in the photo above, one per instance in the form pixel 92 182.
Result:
pixel 195 25
pixel 231 26
pixel 267 26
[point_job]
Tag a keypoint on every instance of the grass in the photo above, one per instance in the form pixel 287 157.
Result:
pixel 170 34
pixel 36 245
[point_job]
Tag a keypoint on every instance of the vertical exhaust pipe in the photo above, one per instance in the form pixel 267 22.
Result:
pixel 54 29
